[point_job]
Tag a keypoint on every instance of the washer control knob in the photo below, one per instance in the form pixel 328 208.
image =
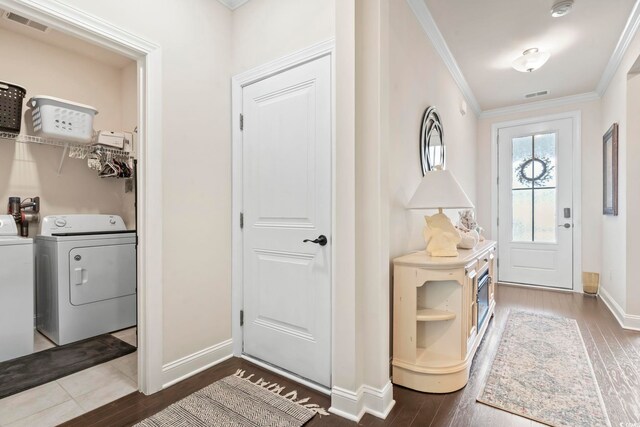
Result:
pixel 60 222
pixel 112 221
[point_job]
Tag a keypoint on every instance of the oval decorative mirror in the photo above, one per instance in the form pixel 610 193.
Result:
pixel 432 151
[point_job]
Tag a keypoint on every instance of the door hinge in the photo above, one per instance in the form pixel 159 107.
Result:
pixel 241 121
pixel 241 317
pixel 241 220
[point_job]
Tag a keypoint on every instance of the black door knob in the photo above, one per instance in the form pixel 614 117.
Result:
pixel 321 240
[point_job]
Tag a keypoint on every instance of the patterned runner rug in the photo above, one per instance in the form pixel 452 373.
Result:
pixel 237 401
pixel 542 371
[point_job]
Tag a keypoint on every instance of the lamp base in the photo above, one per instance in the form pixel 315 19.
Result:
pixel 441 236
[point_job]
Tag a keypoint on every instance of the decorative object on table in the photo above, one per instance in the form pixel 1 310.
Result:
pixel 11 97
pixel 237 400
pixel 542 371
pixel 440 190
pixel 470 232
pixel 610 171
pixel 441 236
pixel 35 369
pixel 468 239
pixel 431 141
pixel 62 119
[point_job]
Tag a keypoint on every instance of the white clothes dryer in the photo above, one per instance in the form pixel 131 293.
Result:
pixel 16 291
pixel 85 277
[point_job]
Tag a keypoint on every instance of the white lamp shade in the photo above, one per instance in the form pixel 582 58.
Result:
pixel 439 189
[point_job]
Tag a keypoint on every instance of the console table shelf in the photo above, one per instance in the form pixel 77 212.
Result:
pixel 433 315
pixel 433 347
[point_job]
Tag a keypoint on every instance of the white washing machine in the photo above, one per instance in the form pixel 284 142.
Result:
pixel 16 291
pixel 85 277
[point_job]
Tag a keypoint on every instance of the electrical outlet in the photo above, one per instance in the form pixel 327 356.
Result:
pixel 128 185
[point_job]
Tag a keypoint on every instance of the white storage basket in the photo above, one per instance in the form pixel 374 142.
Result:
pixel 62 119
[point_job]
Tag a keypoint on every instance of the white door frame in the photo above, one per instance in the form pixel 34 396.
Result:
pixel 326 48
pixel 82 25
pixel 576 116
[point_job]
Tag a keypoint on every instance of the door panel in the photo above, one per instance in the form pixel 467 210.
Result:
pixel 535 204
pixel 101 273
pixel 287 199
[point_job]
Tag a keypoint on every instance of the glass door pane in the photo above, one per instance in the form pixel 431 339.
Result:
pixel 534 195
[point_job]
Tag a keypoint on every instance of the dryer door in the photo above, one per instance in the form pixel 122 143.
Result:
pixel 101 272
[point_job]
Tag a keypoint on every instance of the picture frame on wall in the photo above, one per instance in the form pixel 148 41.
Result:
pixel 610 171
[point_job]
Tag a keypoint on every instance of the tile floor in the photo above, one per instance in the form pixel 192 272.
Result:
pixel 61 400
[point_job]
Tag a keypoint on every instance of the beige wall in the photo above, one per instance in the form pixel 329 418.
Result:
pixel 28 170
pixel 264 30
pixel 195 38
pixel 621 234
pixel 420 79
pixel 196 43
pixel 129 122
pixel 591 175
pixel 633 199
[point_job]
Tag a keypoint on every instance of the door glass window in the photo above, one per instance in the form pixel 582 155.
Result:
pixel 533 188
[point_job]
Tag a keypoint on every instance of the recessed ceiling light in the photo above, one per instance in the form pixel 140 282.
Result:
pixel 561 8
pixel 531 60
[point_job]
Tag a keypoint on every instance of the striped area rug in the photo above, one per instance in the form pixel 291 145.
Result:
pixel 237 401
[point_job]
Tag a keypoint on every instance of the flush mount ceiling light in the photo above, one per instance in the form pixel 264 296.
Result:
pixel 531 60
pixel 561 8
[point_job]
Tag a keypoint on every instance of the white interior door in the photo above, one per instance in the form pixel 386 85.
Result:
pixel 287 200
pixel 535 225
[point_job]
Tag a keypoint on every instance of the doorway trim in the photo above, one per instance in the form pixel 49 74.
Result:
pixel 576 116
pixel 238 82
pixel 147 54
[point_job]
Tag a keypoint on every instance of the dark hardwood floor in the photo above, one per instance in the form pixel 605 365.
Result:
pixel 614 353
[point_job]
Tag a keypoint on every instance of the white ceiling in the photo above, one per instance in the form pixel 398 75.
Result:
pixel 485 36
pixel 61 40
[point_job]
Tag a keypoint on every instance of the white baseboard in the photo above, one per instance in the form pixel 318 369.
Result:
pixel 627 321
pixel 192 364
pixel 353 405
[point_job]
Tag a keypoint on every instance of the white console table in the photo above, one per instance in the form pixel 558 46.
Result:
pixel 435 317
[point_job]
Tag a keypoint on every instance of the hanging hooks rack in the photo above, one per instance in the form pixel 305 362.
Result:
pixel 73 149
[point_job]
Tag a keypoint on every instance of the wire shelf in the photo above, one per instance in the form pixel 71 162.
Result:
pixel 76 150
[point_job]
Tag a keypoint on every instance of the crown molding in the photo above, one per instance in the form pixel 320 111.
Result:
pixel 626 37
pixel 429 26
pixel 540 105
pixel 233 4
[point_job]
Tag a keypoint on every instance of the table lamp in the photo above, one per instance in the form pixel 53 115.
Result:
pixel 440 190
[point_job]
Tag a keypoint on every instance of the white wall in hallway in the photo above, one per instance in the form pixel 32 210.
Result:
pixel 419 79
pixel 195 38
pixel 591 175
pixel 620 234
pixel 264 30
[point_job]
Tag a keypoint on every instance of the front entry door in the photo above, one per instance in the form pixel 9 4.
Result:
pixel 287 206
pixel 535 188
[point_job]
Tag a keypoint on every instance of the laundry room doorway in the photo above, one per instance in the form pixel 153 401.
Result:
pixel 141 194
pixel 283 198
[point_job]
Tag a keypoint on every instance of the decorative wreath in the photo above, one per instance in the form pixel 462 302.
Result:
pixel 540 178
